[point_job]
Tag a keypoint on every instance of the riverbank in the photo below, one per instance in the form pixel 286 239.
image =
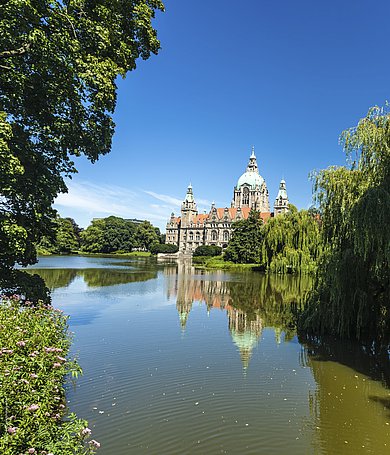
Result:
pixel 34 348
pixel 131 254
pixel 217 262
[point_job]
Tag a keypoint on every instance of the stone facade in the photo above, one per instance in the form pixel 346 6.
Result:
pixel 192 229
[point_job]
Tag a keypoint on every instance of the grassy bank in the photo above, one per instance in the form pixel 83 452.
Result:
pixel 133 254
pixel 217 262
pixel 34 419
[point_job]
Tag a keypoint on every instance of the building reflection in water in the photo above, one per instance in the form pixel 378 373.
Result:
pixel 251 300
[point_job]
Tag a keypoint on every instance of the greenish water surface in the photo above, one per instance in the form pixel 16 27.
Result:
pixel 183 361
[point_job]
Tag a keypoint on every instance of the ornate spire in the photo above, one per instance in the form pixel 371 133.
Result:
pixel 281 201
pixel 190 194
pixel 252 165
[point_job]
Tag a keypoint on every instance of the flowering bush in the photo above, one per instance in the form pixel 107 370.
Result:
pixel 34 343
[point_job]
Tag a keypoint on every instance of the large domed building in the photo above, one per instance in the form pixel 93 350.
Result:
pixel 191 229
pixel 251 190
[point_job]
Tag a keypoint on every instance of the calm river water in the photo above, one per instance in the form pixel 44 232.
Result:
pixel 182 361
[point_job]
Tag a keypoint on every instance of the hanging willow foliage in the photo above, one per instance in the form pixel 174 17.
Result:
pixel 352 291
pixel 292 242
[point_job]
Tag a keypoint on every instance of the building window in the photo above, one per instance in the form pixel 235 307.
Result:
pixel 198 236
pixel 191 236
pixel 245 196
pixel 214 235
pixel 226 236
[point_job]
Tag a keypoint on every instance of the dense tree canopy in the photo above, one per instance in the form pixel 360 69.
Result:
pixel 113 234
pixel 65 238
pixel 245 243
pixel 352 297
pixel 146 235
pixel 58 64
pixel 107 235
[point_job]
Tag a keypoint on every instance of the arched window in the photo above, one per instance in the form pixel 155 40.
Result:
pixel 198 236
pixel 245 196
pixel 214 235
pixel 191 236
pixel 226 236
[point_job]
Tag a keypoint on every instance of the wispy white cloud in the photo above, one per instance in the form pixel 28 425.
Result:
pixel 163 197
pixel 176 201
pixel 86 200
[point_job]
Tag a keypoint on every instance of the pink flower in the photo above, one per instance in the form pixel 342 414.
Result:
pixel 95 443
pixel 86 431
pixel 21 343
pixel 56 365
pixel 31 450
pixel 62 359
pixel 33 375
pixel 33 407
pixel 11 430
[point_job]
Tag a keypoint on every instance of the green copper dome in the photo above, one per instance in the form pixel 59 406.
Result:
pixel 251 178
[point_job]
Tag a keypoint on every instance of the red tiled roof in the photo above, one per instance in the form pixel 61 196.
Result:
pixel 232 212
pixel 244 212
pixel 201 218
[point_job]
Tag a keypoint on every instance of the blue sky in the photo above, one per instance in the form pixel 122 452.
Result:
pixel 285 76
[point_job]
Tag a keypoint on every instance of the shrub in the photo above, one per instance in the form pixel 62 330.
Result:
pixel 163 248
pixel 34 344
pixel 208 250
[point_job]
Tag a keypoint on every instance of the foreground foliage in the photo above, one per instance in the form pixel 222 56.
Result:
pixel 59 62
pixel 352 297
pixel 34 345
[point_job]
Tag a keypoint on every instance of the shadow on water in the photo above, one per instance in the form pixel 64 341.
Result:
pixel 94 278
pixel 363 358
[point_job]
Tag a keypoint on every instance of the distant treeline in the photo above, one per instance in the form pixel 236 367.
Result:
pixel 104 235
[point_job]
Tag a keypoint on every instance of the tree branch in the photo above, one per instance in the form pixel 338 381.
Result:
pixel 22 50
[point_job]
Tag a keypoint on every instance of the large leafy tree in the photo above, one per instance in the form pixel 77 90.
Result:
pixel 108 235
pixel 245 244
pixel 146 235
pixel 65 239
pixel 352 297
pixel 58 64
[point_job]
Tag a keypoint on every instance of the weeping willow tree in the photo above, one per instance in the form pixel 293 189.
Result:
pixel 352 292
pixel 292 242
